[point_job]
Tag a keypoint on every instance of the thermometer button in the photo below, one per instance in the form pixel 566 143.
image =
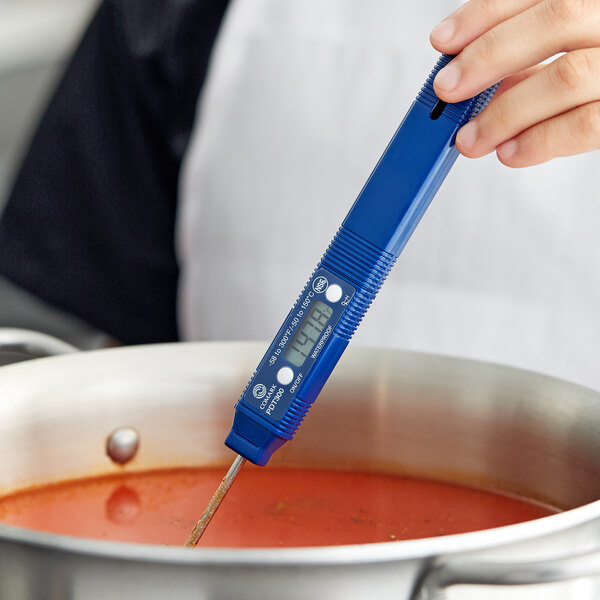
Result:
pixel 285 375
pixel 333 293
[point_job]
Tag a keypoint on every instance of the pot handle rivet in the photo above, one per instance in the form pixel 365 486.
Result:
pixel 122 445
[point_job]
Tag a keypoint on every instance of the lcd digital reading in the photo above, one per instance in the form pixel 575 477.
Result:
pixel 308 333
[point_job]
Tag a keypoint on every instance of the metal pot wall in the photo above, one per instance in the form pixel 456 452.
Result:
pixel 434 416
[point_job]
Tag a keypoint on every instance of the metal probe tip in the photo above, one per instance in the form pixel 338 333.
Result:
pixel 215 502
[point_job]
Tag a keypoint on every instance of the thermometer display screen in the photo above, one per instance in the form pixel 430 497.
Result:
pixel 308 333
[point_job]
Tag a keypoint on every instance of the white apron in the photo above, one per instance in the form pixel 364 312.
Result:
pixel 301 100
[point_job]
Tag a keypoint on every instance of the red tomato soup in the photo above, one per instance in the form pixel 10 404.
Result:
pixel 267 507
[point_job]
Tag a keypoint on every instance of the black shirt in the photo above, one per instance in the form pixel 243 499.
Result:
pixel 89 224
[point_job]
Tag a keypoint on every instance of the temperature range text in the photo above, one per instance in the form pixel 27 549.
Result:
pixel 287 334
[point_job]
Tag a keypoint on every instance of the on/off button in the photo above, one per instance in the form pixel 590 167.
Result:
pixel 285 375
pixel 333 293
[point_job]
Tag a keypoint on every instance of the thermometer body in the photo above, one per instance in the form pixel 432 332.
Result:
pixel 331 306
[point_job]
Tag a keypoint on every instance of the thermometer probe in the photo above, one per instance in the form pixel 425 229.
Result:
pixel 338 294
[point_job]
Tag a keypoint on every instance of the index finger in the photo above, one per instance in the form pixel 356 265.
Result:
pixel 525 40
pixel 472 20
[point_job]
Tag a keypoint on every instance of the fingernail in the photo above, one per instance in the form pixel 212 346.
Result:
pixel 507 150
pixel 467 135
pixel 447 79
pixel 444 32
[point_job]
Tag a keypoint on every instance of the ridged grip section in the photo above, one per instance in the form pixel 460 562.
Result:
pixel 293 418
pixel 362 264
pixel 459 112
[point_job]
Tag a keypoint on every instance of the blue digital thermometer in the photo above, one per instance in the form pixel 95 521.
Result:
pixel 338 294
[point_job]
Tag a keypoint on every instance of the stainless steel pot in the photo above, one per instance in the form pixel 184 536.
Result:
pixel 449 418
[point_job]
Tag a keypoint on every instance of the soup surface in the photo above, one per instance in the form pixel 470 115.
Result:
pixel 266 507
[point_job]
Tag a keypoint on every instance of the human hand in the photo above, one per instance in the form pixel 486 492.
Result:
pixel 540 111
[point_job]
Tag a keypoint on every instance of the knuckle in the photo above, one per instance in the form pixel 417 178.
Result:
pixel 572 69
pixel 497 122
pixel 589 122
pixel 499 119
pixel 488 7
pixel 544 137
pixel 487 45
pixel 567 11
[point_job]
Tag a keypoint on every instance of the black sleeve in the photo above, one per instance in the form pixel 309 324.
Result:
pixel 89 225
